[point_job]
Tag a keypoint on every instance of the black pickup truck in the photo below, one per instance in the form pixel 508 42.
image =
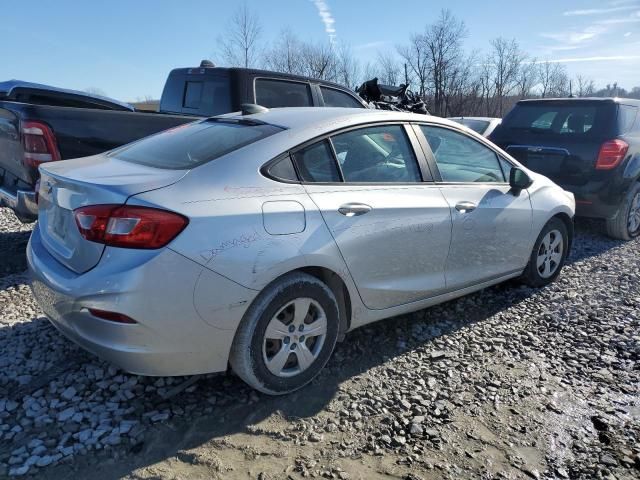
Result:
pixel 40 124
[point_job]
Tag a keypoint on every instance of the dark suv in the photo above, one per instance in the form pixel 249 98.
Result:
pixel 589 146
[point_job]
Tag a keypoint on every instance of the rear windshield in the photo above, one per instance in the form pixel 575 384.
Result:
pixel 193 144
pixel 478 126
pixel 565 120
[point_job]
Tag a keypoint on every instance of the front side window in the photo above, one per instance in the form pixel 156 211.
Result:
pixel 316 163
pixel 193 144
pixel 461 158
pixel 336 98
pixel 376 154
pixel 280 93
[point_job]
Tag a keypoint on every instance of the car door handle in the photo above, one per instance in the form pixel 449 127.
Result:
pixel 354 209
pixel 465 207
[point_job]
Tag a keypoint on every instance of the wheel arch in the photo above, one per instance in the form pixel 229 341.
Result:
pixel 568 223
pixel 339 289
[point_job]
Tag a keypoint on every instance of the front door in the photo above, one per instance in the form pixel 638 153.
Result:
pixel 491 232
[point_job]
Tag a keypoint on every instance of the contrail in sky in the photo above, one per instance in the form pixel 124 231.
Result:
pixel 327 18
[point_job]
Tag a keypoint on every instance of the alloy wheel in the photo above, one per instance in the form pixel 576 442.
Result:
pixel 550 254
pixel 294 337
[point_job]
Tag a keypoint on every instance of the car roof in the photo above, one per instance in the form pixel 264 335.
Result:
pixel 488 119
pixel 632 101
pixel 331 118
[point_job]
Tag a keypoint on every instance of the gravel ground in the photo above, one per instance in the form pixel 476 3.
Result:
pixel 509 382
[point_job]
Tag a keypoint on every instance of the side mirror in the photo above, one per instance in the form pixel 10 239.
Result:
pixel 519 180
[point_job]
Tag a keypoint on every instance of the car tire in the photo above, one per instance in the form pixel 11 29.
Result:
pixel 626 224
pixel 547 257
pixel 279 348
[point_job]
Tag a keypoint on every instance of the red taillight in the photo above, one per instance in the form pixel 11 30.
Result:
pixel 129 226
pixel 111 316
pixel 39 143
pixel 611 154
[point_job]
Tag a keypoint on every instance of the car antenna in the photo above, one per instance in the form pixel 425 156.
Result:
pixel 251 108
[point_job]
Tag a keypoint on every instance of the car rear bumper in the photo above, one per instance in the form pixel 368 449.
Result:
pixel 156 289
pixel 23 203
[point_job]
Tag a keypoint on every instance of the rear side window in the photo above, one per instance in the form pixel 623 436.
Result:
pixel 280 93
pixel 337 98
pixel 578 119
pixel 461 158
pixel 193 144
pixel 192 95
pixel 627 118
pixel 316 164
pixel 197 94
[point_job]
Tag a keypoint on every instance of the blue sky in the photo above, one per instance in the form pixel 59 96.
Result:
pixel 126 48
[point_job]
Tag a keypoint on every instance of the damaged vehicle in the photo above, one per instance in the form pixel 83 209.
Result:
pixel 257 240
pixel 388 97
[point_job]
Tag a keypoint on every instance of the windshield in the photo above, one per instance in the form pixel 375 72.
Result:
pixel 193 144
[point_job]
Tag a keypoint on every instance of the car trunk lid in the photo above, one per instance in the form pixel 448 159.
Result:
pixel 66 186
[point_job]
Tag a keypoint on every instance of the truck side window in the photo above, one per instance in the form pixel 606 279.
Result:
pixel 192 95
pixel 280 93
pixel 335 98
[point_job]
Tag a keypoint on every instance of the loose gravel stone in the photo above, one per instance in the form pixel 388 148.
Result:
pixel 507 382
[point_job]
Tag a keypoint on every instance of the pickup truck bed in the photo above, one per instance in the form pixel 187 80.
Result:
pixel 78 132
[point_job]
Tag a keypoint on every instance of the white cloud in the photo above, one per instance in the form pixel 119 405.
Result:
pixel 628 34
pixel 327 18
pixel 603 58
pixel 371 45
pixel 576 37
pixel 598 11
pixel 632 18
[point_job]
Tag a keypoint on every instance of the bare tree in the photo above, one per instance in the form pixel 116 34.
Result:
pixel 285 55
pixel 415 56
pixel 389 68
pixel 443 44
pixel 319 61
pixel 239 46
pixel 347 67
pixel 504 62
pixel 527 77
pixel 554 80
pixel 586 86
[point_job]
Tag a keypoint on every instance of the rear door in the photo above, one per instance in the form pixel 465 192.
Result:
pixel 392 228
pixel 559 139
pixel 491 233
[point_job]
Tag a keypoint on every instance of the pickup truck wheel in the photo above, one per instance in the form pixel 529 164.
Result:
pixel 548 255
pixel 287 335
pixel 626 224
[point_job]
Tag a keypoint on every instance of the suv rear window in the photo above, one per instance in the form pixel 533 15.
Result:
pixel 562 119
pixel 193 144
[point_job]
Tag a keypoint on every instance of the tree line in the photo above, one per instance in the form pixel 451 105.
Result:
pixel 434 62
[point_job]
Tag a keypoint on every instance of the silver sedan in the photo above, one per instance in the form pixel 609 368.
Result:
pixel 256 241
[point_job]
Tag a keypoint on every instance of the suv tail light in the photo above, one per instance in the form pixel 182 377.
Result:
pixel 39 143
pixel 129 226
pixel 611 154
